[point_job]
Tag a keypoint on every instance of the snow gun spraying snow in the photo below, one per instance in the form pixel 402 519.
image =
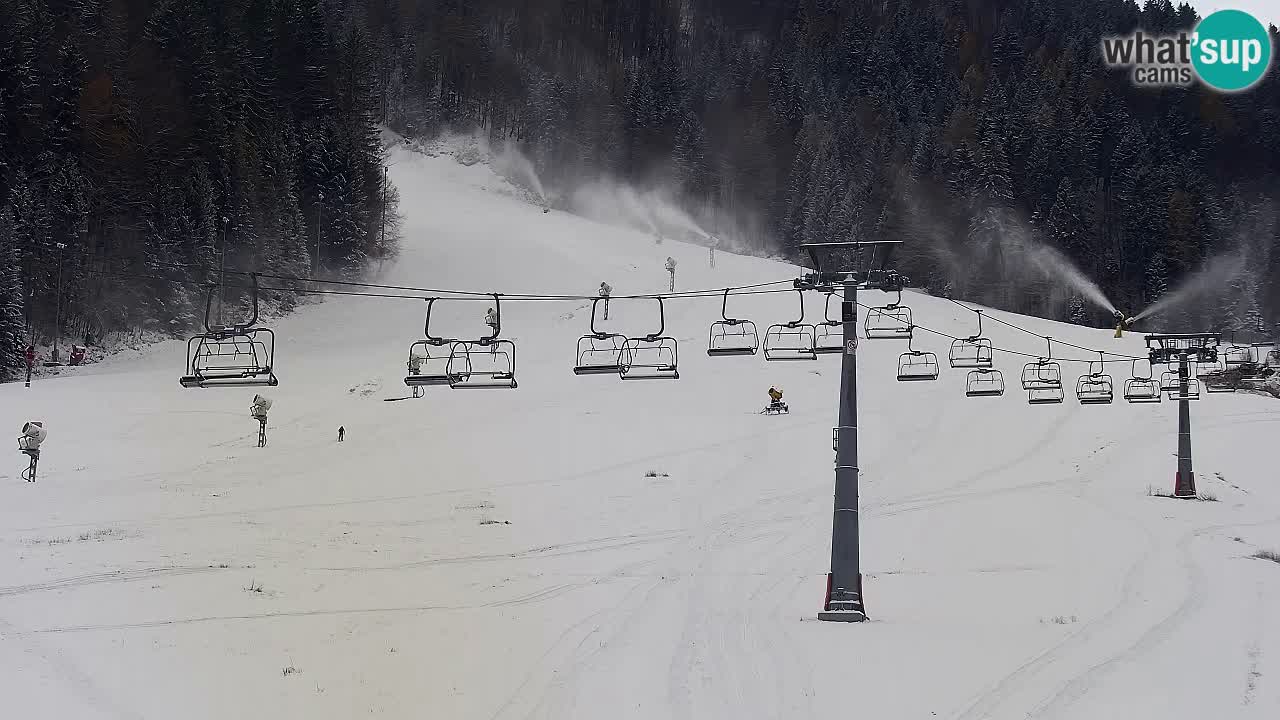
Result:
pixel 1123 323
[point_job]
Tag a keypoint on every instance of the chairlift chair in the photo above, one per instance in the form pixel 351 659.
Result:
pixel 892 321
pixel 429 358
pixel 1169 381
pixel 599 352
pixel 731 336
pixel 1042 379
pixel 917 364
pixel 651 357
pixel 1096 387
pixel 489 362
pixel 984 382
pixel 794 340
pixel 974 351
pixel 1213 376
pixel 1237 355
pixel 1141 388
pixel 238 355
pixel 829 334
pixel 1042 373
pixel 1193 391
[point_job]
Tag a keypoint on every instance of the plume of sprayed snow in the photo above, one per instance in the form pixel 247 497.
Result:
pixel 670 216
pixel 516 167
pixel 1054 264
pixel 616 203
pixel 1023 246
pixel 1216 272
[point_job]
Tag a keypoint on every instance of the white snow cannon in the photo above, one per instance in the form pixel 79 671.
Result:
pixel 259 408
pixel 33 433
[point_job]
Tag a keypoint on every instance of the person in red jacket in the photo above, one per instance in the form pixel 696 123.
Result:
pixel 31 356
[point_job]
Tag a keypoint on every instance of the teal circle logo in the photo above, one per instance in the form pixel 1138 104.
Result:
pixel 1231 50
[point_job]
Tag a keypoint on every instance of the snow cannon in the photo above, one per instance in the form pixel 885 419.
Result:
pixel 259 408
pixel 33 434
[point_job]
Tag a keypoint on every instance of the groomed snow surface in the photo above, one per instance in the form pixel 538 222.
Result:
pixel 585 547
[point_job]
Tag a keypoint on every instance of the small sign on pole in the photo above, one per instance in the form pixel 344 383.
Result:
pixel 851 346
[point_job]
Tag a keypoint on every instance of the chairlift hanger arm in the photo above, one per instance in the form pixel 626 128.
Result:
pixel 794 323
pixel 662 322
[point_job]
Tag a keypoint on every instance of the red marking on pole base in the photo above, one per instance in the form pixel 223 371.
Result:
pixel 1177 486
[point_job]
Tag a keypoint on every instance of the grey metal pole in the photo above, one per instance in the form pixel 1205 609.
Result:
pixel 844 601
pixel 57 314
pixel 222 279
pixel 1185 480
pixel 382 250
pixel 319 213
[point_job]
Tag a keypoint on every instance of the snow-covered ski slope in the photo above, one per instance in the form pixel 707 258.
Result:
pixel 667 545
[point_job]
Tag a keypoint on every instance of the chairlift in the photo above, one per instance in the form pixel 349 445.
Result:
pixel 599 352
pixel 1192 393
pixel 1214 378
pixel 974 351
pixel 917 364
pixel 731 336
pixel 239 355
pixel 829 334
pixel 1042 379
pixel 1096 387
pixel 984 382
pixel 429 358
pixel 489 362
pixel 651 357
pixel 1141 388
pixel 892 321
pixel 1169 381
pixel 793 340
pixel 1043 373
pixel 1237 355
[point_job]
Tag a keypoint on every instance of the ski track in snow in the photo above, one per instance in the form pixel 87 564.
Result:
pixel 586 548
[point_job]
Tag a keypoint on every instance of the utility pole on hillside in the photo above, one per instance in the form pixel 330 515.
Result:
pixel 844 600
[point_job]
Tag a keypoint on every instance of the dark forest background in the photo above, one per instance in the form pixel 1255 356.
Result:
pixel 971 129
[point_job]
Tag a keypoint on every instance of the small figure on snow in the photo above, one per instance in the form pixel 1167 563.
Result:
pixel 31 356
pixel 491 318
pixel 342 433
pixel 605 291
pixel 77 354
pixel 671 268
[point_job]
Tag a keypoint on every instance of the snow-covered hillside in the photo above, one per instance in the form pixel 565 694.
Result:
pixel 584 547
